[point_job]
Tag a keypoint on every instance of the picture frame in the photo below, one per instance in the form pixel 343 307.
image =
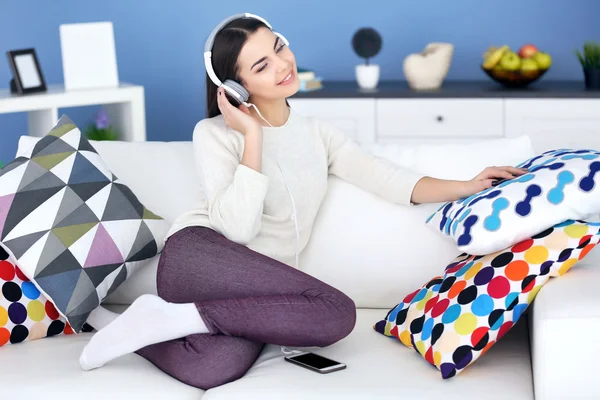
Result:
pixel 26 71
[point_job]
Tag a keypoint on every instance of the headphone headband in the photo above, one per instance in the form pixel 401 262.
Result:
pixel 209 45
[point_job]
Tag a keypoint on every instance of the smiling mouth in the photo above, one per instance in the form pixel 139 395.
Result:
pixel 288 78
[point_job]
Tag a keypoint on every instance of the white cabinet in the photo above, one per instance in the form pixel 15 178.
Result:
pixel 550 122
pixel 555 123
pixel 439 118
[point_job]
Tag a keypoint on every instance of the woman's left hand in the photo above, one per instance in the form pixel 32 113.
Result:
pixel 485 178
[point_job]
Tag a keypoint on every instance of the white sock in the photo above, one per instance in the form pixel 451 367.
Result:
pixel 100 317
pixel 148 320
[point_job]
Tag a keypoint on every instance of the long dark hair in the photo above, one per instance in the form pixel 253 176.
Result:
pixel 226 49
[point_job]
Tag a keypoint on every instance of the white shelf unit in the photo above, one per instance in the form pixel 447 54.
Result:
pixel 125 105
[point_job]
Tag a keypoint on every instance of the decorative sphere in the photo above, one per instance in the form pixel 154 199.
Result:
pixel 366 42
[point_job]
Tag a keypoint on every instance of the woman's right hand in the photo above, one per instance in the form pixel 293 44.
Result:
pixel 240 118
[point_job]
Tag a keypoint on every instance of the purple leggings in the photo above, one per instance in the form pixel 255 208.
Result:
pixel 246 299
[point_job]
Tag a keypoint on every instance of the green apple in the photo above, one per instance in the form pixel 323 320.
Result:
pixel 529 65
pixel 510 61
pixel 543 60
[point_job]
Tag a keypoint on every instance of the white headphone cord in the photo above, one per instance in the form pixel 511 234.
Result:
pixel 258 111
pixel 284 349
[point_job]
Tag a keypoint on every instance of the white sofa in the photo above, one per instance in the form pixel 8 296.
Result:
pixel 374 251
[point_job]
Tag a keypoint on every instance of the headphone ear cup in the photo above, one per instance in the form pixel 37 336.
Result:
pixel 237 91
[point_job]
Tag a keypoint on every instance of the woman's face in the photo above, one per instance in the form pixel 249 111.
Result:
pixel 267 67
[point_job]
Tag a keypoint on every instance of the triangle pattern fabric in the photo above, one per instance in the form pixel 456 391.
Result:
pixel 46 181
pixel 81 215
pixel 87 190
pixel 29 260
pixel 62 127
pixel 103 251
pixel 89 303
pixel 71 223
pixel 98 274
pixel 150 215
pixel 9 183
pixel 52 160
pixel 97 162
pixel 72 233
pixel 124 234
pixel 69 204
pixel 56 147
pixel 20 245
pixel 85 172
pixel 97 203
pixel 53 248
pixel 40 212
pixel 63 170
pixel 144 244
pixel 5 204
pixel 81 248
pixel 72 138
pixel 85 145
pixel 64 262
pixel 32 172
pixel 42 144
pixel 66 281
pixel 118 207
pixel 81 292
pixel 121 277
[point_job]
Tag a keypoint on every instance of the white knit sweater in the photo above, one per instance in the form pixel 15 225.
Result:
pixel 255 209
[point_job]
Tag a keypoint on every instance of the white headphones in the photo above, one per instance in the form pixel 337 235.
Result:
pixel 233 88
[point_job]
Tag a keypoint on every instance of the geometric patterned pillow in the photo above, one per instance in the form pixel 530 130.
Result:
pixel 75 230
pixel 25 314
pixel 454 319
pixel 560 185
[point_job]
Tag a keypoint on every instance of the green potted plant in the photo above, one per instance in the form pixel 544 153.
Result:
pixel 590 62
pixel 101 129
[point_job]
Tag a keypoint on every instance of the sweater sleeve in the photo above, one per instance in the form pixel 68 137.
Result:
pixel 347 160
pixel 235 192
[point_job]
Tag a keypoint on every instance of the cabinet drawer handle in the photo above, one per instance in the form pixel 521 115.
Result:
pixel 440 118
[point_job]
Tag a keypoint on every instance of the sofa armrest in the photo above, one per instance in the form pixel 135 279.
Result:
pixel 564 327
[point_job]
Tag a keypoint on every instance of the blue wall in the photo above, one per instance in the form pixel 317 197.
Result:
pixel 160 43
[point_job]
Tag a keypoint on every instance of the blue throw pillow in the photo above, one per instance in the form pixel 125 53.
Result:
pixel 560 185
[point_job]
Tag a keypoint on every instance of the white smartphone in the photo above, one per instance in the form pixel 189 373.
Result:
pixel 315 362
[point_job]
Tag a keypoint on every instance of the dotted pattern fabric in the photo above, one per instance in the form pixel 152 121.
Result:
pixel 560 185
pixel 25 314
pixel 455 318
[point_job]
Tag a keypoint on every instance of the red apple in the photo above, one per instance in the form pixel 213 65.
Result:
pixel 527 51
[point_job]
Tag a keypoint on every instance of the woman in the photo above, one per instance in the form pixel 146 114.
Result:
pixel 227 278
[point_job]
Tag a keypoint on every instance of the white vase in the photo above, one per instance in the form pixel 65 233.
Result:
pixel 367 76
pixel 428 69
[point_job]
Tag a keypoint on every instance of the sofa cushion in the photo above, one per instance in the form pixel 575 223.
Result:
pixel 380 369
pixel 76 231
pixel 454 319
pixel 49 369
pixel 564 326
pixel 25 313
pixel 560 185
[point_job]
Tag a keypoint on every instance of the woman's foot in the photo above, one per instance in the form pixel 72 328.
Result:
pixel 148 320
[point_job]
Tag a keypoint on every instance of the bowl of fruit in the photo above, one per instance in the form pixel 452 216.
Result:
pixel 515 69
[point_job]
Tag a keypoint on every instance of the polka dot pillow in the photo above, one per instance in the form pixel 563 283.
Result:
pixel 25 314
pixel 454 319
pixel 560 185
